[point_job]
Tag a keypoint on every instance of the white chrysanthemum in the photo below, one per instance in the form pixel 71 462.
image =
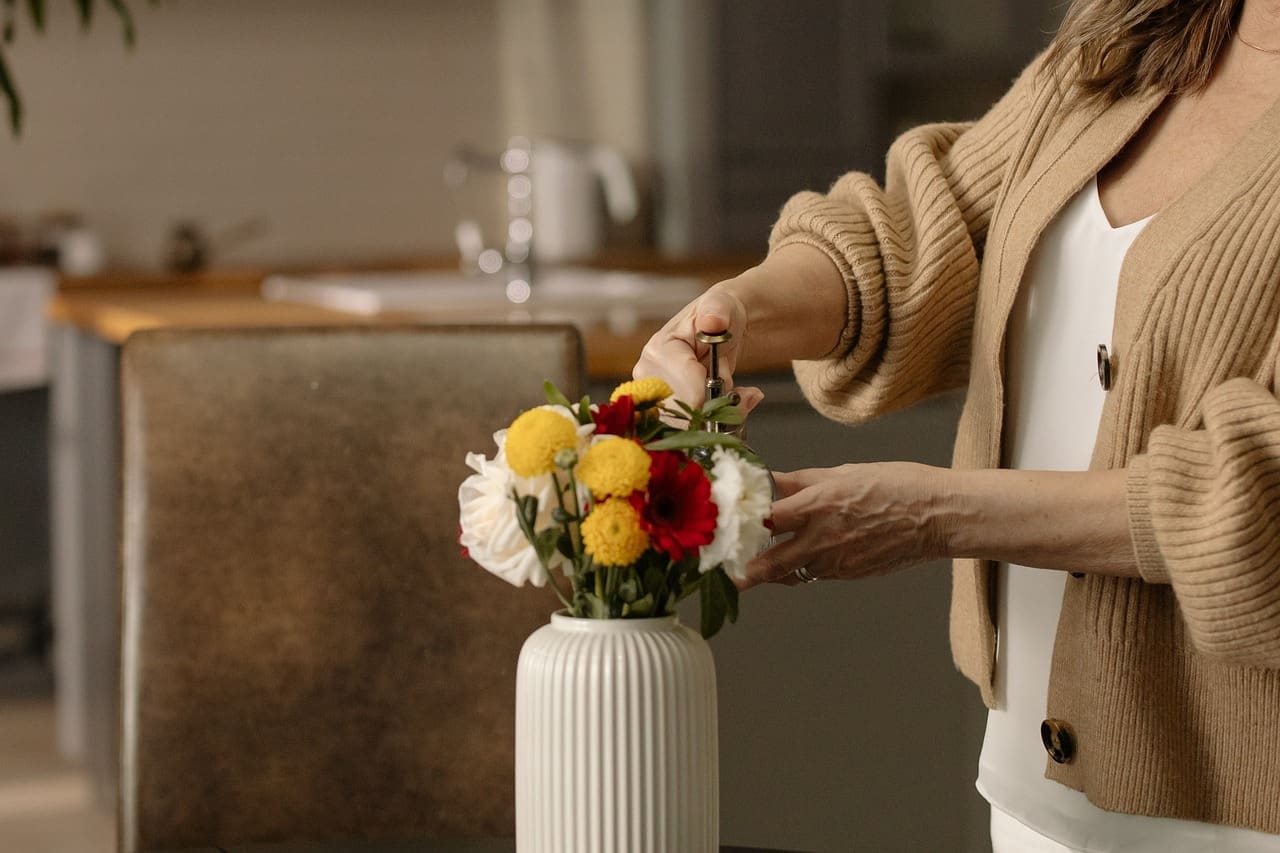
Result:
pixel 490 529
pixel 743 496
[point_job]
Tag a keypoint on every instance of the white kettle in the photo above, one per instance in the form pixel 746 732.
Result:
pixel 568 224
pixel 553 197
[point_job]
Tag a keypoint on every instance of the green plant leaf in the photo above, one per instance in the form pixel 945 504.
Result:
pixel 36 8
pixel 584 410
pixel 595 608
pixel 11 96
pixel 687 440
pixel 728 591
pixel 86 12
pixel 126 20
pixel 690 585
pixel 554 395
pixel 545 543
pixel 629 590
pixel 641 607
pixel 717 403
pixel 713 609
pixel 564 545
pixel 526 513
pixel 726 416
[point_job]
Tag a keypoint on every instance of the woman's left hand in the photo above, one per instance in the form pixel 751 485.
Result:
pixel 853 521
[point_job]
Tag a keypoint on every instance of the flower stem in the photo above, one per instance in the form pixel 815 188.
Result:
pixel 560 595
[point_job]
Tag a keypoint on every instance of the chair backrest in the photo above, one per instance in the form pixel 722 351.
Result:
pixel 306 653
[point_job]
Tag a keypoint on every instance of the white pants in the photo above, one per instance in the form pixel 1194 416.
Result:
pixel 1009 835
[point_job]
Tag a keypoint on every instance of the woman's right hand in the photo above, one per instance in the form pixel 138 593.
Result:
pixel 675 355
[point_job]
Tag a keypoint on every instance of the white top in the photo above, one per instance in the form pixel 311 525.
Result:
pixel 1064 309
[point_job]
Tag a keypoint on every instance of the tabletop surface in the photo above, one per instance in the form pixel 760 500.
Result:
pixel 113 307
pixel 506 845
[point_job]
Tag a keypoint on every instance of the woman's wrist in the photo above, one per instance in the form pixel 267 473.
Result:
pixel 794 303
pixel 1075 521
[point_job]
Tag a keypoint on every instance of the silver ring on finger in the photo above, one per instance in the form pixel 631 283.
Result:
pixel 804 575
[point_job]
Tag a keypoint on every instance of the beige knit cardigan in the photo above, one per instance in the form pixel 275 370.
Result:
pixel 1171 683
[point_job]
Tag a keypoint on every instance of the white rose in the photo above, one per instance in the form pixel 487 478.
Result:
pixel 488 516
pixel 743 495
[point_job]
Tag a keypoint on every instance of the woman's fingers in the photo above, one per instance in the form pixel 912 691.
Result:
pixel 777 562
pixel 714 313
pixel 791 482
pixel 676 355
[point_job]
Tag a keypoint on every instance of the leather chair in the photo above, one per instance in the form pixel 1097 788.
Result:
pixel 306 654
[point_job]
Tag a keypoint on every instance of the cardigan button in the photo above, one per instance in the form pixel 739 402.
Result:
pixel 1059 740
pixel 1104 367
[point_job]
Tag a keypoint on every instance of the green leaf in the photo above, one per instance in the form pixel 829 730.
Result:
pixel 584 410
pixel 716 404
pixel 639 608
pixel 544 544
pixel 595 608
pixel 726 416
pixel 565 545
pixel 126 20
pixel 629 590
pixel 687 440
pixel 728 591
pixel 691 585
pixel 36 8
pixel 554 395
pixel 713 609
pixel 526 513
pixel 11 95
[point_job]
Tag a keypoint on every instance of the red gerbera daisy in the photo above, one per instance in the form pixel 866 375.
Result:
pixel 616 418
pixel 676 511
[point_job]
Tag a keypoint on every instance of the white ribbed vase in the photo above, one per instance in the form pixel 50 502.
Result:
pixel 616 746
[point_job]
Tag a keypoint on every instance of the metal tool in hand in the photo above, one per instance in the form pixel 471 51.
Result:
pixel 715 384
pixel 715 388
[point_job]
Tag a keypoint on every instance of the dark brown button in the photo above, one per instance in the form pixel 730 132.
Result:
pixel 1059 741
pixel 1104 367
pixel 1076 575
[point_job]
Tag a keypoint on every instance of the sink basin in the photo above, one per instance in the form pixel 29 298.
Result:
pixel 577 295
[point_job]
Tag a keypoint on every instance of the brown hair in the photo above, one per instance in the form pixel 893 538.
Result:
pixel 1125 47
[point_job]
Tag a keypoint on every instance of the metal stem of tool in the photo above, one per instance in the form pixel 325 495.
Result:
pixel 715 385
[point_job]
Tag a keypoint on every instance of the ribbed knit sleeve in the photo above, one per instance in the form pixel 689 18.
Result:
pixel 909 254
pixel 1204 511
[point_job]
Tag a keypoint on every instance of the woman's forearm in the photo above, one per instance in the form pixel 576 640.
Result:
pixel 796 305
pixel 1074 521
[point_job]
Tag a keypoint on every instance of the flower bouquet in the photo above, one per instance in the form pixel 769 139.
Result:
pixel 636 513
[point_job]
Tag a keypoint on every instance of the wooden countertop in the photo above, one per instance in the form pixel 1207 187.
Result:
pixel 113 307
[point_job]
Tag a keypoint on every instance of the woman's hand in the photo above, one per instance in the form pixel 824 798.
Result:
pixel 791 306
pixel 870 519
pixel 675 355
pixel 853 521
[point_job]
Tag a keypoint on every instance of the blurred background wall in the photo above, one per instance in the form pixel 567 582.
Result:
pixel 327 120
pixel 327 124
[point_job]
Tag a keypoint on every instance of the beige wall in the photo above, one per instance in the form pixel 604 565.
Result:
pixel 329 119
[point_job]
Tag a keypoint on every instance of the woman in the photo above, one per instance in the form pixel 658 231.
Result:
pixel 1118 209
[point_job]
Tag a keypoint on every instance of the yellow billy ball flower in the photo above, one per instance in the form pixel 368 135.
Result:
pixel 641 391
pixel 612 535
pixel 534 439
pixel 614 466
